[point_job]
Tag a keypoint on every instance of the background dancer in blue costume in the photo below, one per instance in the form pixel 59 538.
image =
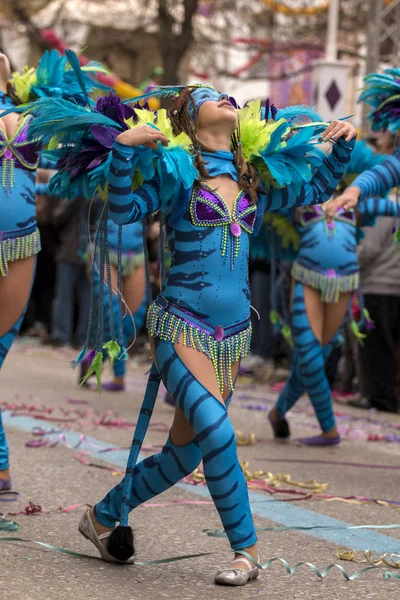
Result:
pixel 203 172
pixel 325 276
pixel 19 235
pixel 133 291
pixel 382 93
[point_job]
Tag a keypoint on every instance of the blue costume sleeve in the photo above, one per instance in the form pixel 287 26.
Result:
pixel 382 207
pixel 125 205
pixel 322 185
pixel 46 163
pixel 381 179
pixel 41 189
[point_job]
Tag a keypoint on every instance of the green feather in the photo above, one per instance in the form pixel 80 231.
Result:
pixel 356 331
pixel 113 349
pixel 287 334
pixel 95 368
pixel 273 317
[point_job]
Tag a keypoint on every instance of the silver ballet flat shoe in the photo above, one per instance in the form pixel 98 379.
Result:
pixel 233 576
pixel 88 531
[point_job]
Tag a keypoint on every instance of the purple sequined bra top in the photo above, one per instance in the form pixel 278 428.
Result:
pixel 17 152
pixel 311 214
pixel 208 208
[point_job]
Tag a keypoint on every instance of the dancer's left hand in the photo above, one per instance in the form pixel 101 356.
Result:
pixel 339 129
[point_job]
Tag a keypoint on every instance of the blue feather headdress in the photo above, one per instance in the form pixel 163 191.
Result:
pixel 56 76
pixel 382 93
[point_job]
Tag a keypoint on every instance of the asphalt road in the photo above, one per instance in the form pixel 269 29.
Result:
pixel 42 395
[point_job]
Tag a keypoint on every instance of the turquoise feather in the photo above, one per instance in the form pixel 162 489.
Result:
pixel 298 114
pixel 168 91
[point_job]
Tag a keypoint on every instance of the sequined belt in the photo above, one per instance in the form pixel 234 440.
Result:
pixel 21 243
pixel 222 345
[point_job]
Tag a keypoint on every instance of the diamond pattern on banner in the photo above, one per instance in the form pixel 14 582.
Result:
pixel 333 95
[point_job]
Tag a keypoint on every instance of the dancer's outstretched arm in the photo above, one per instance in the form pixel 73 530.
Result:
pixel 377 181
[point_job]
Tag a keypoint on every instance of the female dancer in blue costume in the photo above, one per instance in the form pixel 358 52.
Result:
pixel 133 292
pixel 199 324
pixel 19 235
pixel 325 276
pixel 382 93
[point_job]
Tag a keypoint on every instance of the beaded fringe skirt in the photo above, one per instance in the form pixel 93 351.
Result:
pixel 223 346
pixel 329 283
pixel 17 244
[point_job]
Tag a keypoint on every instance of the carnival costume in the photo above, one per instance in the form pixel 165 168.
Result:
pixel 131 257
pixel 209 268
pixel 382 93
pixel 325 259
pixel 19 160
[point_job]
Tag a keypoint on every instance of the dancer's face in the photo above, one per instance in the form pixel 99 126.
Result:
pixel 213 108
pixel 5 70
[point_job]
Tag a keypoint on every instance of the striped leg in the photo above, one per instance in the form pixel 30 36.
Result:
pixel 215 443
pixel 128 326
pixel 128 330
pixel 294 387
pixel 3 447
pixel 216 438
pixel 310 362
pixel 154 475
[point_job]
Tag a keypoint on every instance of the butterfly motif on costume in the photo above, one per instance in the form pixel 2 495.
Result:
pixel 208 208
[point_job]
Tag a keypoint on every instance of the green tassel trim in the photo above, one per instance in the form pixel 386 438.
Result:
pixel 113 350
pixel 95 367
pixel 330 286
pixel 171 328
pixel 282 327
pixel 129 262
pixel 15 248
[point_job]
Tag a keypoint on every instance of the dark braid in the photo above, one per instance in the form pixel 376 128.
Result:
pixel 182 122
pixel 12 94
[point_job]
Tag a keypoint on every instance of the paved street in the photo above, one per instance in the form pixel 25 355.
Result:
pixel 41 392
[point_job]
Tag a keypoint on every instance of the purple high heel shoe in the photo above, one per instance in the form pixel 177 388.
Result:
pixel 321 440
pixel 5 485
pixel 112 386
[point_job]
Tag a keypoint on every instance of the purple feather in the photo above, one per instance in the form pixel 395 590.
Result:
pixel 274 110
pixel 112 107
pixel 90 356
pixel 104 135
pixel 267 109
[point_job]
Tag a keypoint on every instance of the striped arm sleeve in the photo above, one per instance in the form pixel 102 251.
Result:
pixel 46 163
pixel 125 205
pixel 322 185
pixel 379 207
pixel 379 180
pixel 41 189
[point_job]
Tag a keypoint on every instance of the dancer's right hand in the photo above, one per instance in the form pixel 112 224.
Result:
pixel 142 135
pixel 347 200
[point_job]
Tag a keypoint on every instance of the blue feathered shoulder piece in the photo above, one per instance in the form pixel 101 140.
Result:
pixel 382 93
pixel 56 76
pixel 281 144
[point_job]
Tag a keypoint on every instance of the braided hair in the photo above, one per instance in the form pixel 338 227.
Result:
pixel 181 120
